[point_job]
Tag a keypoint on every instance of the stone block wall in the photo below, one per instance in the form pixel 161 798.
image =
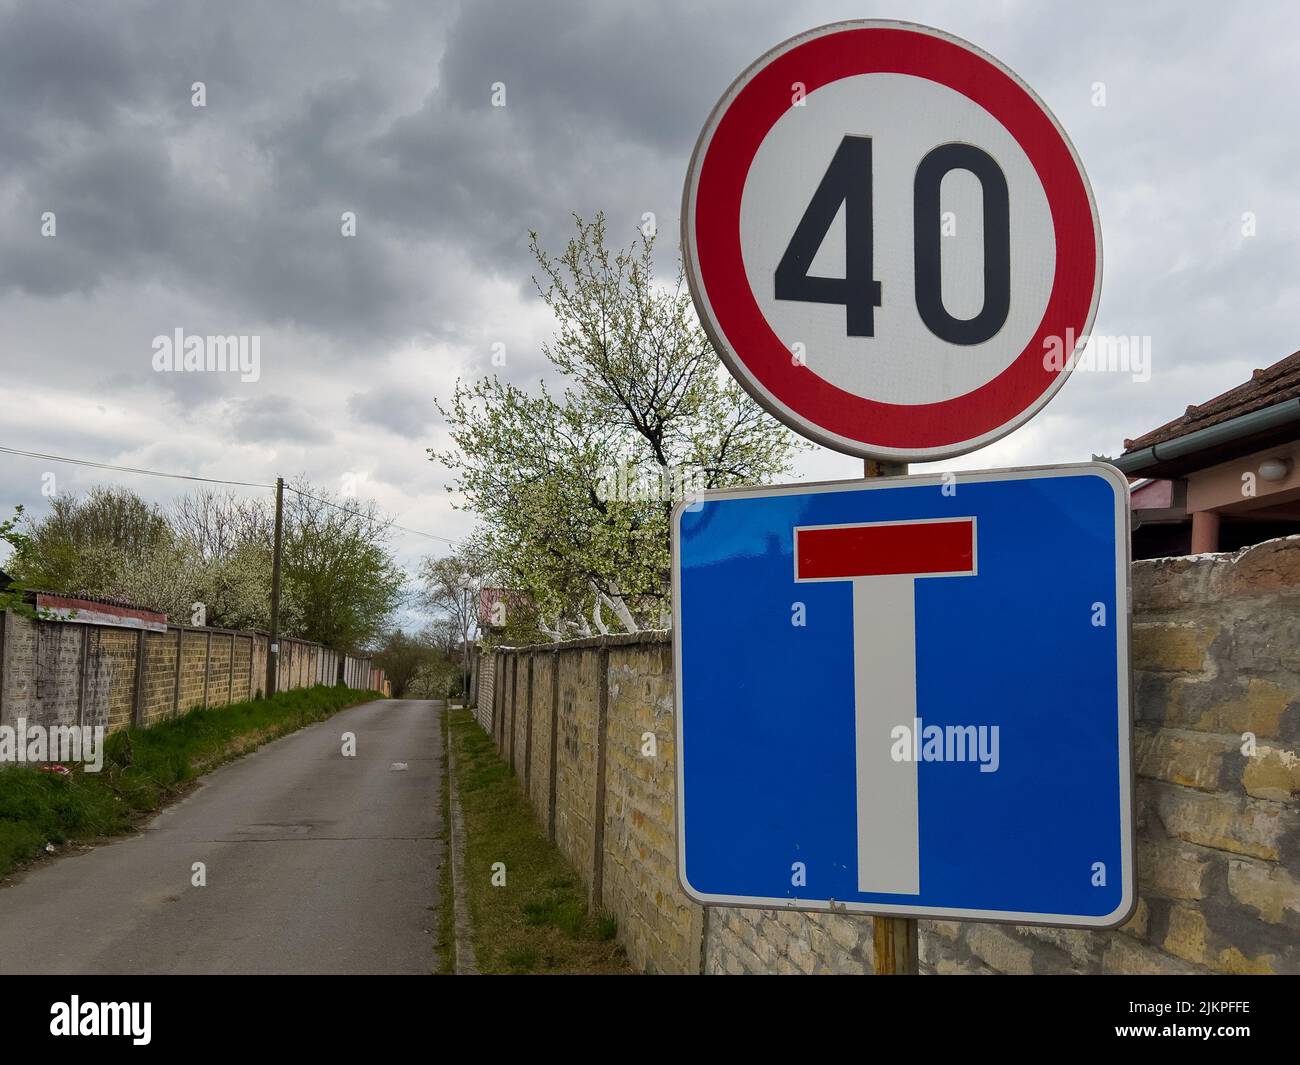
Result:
pixel 1216 681
pixel 1216 660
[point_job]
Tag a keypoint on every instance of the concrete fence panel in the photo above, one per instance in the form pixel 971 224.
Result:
pixel 65 672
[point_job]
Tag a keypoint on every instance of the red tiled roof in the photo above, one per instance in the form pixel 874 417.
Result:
pixel 1279 382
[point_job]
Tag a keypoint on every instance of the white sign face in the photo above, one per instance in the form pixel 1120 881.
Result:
pixel 891 241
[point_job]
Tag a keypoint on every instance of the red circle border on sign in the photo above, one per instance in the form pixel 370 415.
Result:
pixel 938 429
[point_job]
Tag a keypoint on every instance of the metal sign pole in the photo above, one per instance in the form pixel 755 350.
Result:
pixel 894 939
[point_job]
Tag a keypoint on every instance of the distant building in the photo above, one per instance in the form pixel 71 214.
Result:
pixel 1225 474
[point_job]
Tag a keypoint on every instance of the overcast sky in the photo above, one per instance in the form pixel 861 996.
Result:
pixel 225 219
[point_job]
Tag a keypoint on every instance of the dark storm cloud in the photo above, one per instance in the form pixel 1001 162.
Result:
pixel 397 409
pixel 607 70
pixel 226 219
pixel 275 419
pixel 602 103
pixel 144 186
pixel 61 65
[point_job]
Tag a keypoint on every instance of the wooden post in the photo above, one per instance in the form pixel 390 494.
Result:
pixel 894 939
pixel 895 946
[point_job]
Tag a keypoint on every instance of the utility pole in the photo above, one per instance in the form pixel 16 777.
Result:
pixel 894 939
pixel 273 650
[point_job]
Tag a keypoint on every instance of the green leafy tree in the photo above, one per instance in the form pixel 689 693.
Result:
pixel 575 488
pixel 450 588
pixel 86 545
pixel 13 592
pixel 401 656
pixel 338 561
pixel 339 581
pixel 439 678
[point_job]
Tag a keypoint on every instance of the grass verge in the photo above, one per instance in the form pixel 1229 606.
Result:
pixel 538 921
pixel 145 767
pixel 446 893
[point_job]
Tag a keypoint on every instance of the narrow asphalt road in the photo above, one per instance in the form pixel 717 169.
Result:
pixel 315 863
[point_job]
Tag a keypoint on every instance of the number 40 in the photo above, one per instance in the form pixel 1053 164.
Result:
pixel 848 181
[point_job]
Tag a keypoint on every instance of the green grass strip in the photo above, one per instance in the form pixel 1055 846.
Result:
pixel 538 922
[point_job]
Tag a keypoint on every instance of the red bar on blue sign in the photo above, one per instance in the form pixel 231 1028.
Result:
pixel 841 552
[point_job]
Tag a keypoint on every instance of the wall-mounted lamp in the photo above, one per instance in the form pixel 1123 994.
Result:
pixel 1274 469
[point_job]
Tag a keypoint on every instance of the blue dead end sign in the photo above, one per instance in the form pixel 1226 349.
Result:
pixel 908 696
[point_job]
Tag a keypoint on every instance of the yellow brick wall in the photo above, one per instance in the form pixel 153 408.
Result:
pixel 575 758
pixel 519 715
pixel 539 773
pixel 116 650
pixel 219 670
pixel 486 692
pixel 160 675
pixel 194 655
pixel 658 925
pixel 661 930
pixel 243 646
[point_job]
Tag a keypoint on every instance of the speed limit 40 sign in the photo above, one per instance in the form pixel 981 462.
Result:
pixel 886 233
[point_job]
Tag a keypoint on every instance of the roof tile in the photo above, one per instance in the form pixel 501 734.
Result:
pixel 1266 387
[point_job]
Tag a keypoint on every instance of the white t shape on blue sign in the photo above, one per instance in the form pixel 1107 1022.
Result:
pixel 884 560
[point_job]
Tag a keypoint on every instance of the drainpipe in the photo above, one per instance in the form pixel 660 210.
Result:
pixel 1240 427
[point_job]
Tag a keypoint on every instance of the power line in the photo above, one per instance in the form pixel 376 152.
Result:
pixel 360 514
pixel 130 469
pixel 213 480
